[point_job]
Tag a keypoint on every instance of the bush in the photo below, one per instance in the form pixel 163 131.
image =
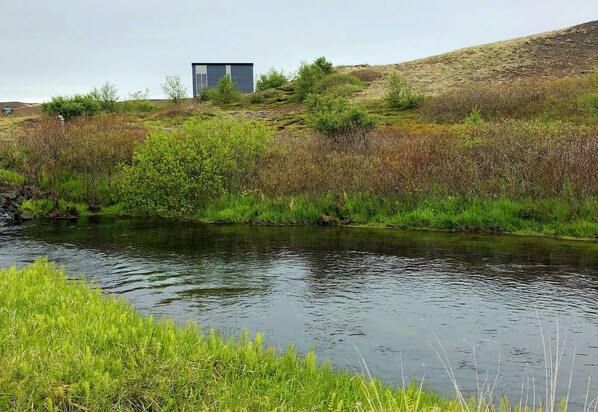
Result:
pixel 338 84
pixel 174 173
pixel 400 95
pixel 107 97
pixel 174 89
pixel 270 80
pixel 307 78
pixel 473 118
pixel 366 75
pixel 138 102
pixel 337 119
pixel 69 107
pixel 225 92
pixel 323 64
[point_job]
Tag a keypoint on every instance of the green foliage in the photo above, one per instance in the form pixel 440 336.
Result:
pixel 400 94
pixel 173 89
pixel 257 98
pixel 307 78
pixel 473 118
pixel 270 80
pixel 139 102
pixel 323 64
pixel 69 107
pixel 11 177
pixel 107 97
pixel 337 119
pixel 174 173
pixel 226 91
pixel 339 84
pixel 206 94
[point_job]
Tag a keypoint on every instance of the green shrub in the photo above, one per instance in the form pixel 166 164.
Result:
pixel 400 95
pixel 338 84
pixel 174 173
pixel 270 80
pixel 257 98
pixel 11 177
pixel 173 89
pixel 107 97
pixel 307 78
pixel 138 102
pixel 475 117
pixel 336 118
pixel 323 64
pixel 69 107
pixel 226 91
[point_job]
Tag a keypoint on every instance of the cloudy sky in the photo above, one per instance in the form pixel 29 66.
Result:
pixel 62 47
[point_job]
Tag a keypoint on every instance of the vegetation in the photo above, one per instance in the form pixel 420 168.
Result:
pixel 11 177
pixel 401 95
pixel 69 107
pixel 174 173
pixel 307 78
pixel 270 80
pixel 66 346
pixel 107 97
pixel 337 119
pixel 173 89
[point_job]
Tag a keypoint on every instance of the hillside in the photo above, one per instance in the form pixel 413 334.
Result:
pixel 567 52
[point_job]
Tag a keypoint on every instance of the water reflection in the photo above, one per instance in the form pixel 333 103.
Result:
pixel 379 292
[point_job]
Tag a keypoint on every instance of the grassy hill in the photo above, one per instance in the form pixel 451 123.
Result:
pixel 546 56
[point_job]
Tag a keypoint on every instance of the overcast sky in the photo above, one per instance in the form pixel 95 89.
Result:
pixel 62 47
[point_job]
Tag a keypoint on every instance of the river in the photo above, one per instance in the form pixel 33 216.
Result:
pixel 381 295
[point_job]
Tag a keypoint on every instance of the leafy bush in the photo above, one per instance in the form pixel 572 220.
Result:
pixel 337 119
pixel 323 64
pixel 107 97
pixel 69 107
pixel 257 98
pixel 475 117
pixel 338 84
pixel 270 80
pixel 174 89
pixel 225 92
pixel 400 94
pixel 174 173
pixel 307 78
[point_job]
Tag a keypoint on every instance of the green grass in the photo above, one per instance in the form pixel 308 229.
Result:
pixel 11 177
pixel 66 346
pixel 551 217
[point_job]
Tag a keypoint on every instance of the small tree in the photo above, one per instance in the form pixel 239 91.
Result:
pixel 401 95
pixel 107 96
pixel 226 92
pixel 308 77
pixel 174 89
pixel 270 80
pixel 325 65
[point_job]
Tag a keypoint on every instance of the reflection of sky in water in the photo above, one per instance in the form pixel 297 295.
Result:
pixel 381 294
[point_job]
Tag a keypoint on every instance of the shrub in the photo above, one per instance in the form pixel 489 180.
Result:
pixel 225 92
pixel 337 119
pixel 107 97
pixel 475 117
pixel 174 89
pixel 400 94
pixel 270 80
pixel 323 64
pixel 138 102
pixel 174 173
pixel 307 78
pixel 69 107
pixel 338 84
pixel 257 98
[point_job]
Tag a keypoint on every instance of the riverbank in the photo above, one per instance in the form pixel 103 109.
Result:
pixel 546 217
pixel 64 345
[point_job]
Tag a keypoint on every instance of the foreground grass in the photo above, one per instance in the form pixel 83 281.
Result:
pixel 65 346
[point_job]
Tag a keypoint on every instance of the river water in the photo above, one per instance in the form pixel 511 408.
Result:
pixel 385 296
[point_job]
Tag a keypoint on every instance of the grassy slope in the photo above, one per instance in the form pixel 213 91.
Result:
pixel 65 346
pixel 547 56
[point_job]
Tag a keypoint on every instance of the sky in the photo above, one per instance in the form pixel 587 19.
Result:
pixel 62 47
